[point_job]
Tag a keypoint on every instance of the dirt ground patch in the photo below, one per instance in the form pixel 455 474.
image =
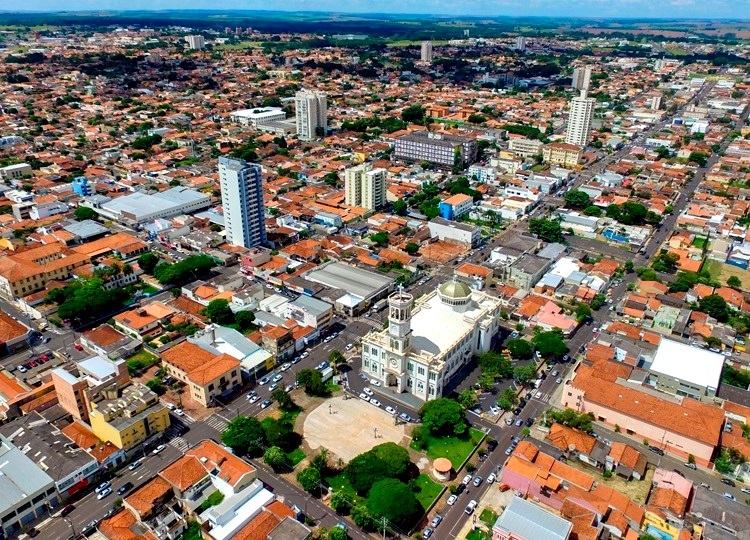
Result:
pixel 349 427
pixel 722 272
pixel 442 251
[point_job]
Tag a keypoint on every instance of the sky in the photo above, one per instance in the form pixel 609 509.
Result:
pixel 706 9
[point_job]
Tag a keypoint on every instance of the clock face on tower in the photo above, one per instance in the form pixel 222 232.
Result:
pixel 393 362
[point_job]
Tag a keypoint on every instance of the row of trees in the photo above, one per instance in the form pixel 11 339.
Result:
pixel 86 299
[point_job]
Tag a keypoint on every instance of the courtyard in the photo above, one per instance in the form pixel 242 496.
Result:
pixel 349 427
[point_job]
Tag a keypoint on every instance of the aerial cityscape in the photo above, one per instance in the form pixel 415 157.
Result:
pixel 469 270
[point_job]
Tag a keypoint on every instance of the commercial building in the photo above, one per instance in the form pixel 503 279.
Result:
pixel 70 467
pixel 525 147
pixel 428 342
pixel 311 110
pixel 108 342
pixel 524 520
pixel 682 370
pixel 140 207
pixel 357 289
pixel 206 374
pixel 219 340
pixel 309 311
pixel 438 148
pixel 15 172
pixel 456 206
pixel 579 120
pixel 242 200
pixel 682 426
pixel 365 186
pixel 257 116
pixel 26 489
pixel 581 78
pixel 461 233
pixel 81 186
pixel 127 415
pixel 196 43
pixel 562 154
pixel 30 271
pixel 426 53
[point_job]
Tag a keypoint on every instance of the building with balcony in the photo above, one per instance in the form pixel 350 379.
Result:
pixel 441 149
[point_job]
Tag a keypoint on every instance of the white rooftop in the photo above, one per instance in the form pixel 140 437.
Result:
pixel 691 364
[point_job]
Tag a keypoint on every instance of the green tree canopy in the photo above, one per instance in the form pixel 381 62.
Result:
pixel 364 470
pixel 276 458
pixel 524 374
pixel 312 381
pixel 413 114
pixel 189 269
pixel 468 399
pixel 715 306
pixel 411 248
pixel 337 533
pixel 380 238
pixel 592 211
pixel 244 435
pixel 309 479
pixel 520 349
pixel 219 312
pixel 395 501
pixel 148 262
pixel 571 418
pixel 285 401
pixel 443 416
pixel 83 213
pixel 734 282
pixel 548 230
pixel 550 344
pixel 280 432
pixel 399 207
pixel 245 320
pixel 575 198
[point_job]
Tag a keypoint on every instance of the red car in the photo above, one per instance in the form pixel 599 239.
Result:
pixel 32 364
pixel 79 348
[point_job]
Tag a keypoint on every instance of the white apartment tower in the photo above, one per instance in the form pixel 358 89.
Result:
pixel 427 52
pixel 196 43
pixel 579 120
pixel 581 78
pixel 242 200
pixel 365 187
pixel 312 114
pixel 520 43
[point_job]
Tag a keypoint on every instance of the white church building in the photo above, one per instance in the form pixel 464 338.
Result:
pixel 428 342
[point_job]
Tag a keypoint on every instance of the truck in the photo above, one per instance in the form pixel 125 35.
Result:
pixel 380 304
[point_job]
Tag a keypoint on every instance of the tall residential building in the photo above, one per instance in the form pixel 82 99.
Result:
pixel 581 78
pixel 242 199
pixel 365 186
pixel 427 52
pixel 520 43
pixel 196 43
pixel 579 120
pixel 312 113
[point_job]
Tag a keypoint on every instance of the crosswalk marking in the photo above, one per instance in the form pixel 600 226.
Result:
pixel 181 444
pixel 217 422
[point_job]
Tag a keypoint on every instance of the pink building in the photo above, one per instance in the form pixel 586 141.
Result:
pixel 681 426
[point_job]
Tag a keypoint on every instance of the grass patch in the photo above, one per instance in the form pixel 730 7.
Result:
pixel 428 490
pixel 212 500
pixel 331 388
pixel 295 456
pixel 140 361
pixel 193 531
pixel 148 289
pixel 699 242
pixel 340 482
pixel 454 448
pixel 488 516
pixel 478 534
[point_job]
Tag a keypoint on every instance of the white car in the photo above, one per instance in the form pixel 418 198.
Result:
pixel 286 366
pixel 277 377
pixel 390 410
pixel 158 450
pixel 367 390
pixel 491 478
pixel 375 402
pixel 452 499
pixel 471 507
pixel 101 487
pixel 253 399
pixel 349 347
pixel 466 480
pixel 374 382
pixel 364 396
pixel 538 395
pixel 103 493
pixel 304 354
pixel 22 369
pixel 179 412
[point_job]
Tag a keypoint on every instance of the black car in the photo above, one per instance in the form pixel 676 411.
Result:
pixel 32 532
pixel 529 396
pixel 728 482
pixel 678 472
pixel 127 486
pixel 521 403
pixel 529 422
pixel 517 411
pixel 483 456
pixel 460 489
pixel 656 450
pixel 491 445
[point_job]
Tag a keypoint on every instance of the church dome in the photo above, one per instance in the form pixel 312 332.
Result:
pixel 454 289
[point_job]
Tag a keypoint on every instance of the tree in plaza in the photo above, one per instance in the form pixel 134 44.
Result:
pixel 550 344
pixel 364 470
pixel 83 213
pixel 309 479
pixel 280 433
pixel 520 349
pixel 244 435
pixel 312 381
pixel 468 398
pixel 443 416
pixel 395 457
pixel 219 312
pixel 734 282
pixel 486 381
pixel 392 499
pixel 340 502
pixel 507 399
pixel 336 359
pixel 285 401
pixel 524 374
pixel 575 198
pixel 276 458
pixel 148 262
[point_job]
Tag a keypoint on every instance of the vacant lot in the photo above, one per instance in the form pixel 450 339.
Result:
pixel 350 427
pixel 721 272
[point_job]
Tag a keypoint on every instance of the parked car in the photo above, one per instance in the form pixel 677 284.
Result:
pixel 519 422
pixel 390 410
pixel 466 479
pixel 103 493
pixel 477 481
pixel 745 490
pixel 427 533
pixel 273 387
pixel 460 488
pixel 101 487
pixel 179 412
pixel 405 417
pixel 691 466
pixel 728 482
pixel 509 451
pixel 67 510
pixel 158 450
pixel 263 381
pixel 364 396
pixel 471 507
pixel 133 466
pixel 452 499
pixel 656 450
pixel 491 445
pixel 277 377
pixel 509 421
pixel 286 366
pixel 375 382
pixel 375 402
pixel 367 390
pixel 266 404
pixel 491 478
pixel 529 422
pixel 730 496
pixel 32 532
pixel 78 347
pixel 288 388
pixel 253 399
pixel 22 369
